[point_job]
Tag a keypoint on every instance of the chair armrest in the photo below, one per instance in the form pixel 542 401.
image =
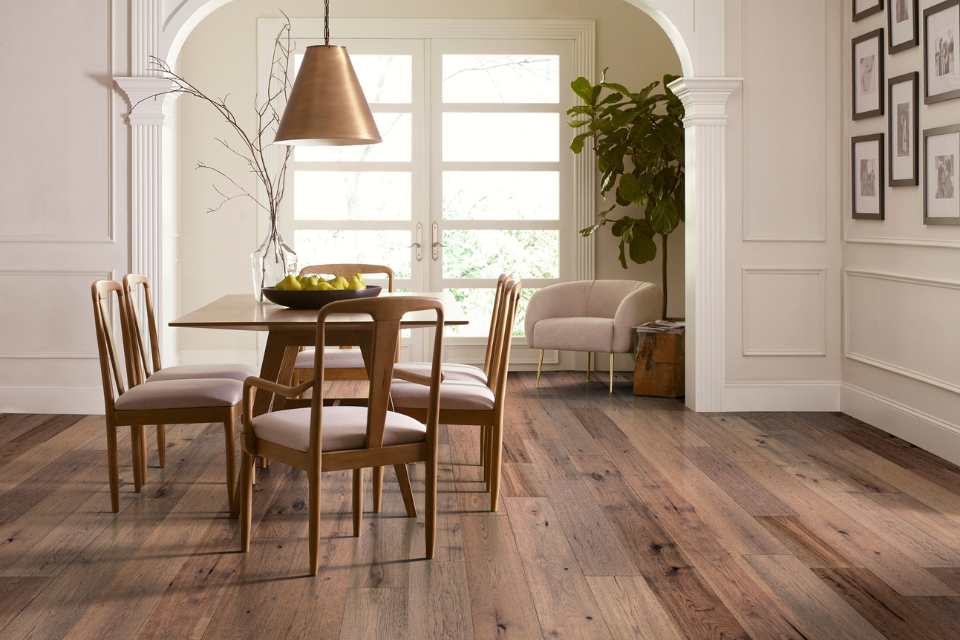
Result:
pixel 639 306
pixel 253 383
pixel 401 373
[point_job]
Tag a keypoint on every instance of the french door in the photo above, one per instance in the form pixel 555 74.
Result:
pixel 471 179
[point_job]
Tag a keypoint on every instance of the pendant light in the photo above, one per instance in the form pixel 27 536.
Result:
pixel 326 105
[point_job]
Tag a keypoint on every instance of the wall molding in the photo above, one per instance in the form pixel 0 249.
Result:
pixel 783 395
pixel 879 363
pixel 780 353
pixel 902 242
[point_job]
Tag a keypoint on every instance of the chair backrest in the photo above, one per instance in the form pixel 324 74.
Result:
pixel 498 382
pixel 387 314
pixel 142 367
pixel 494 318
pixel 346 270
pixel 103 292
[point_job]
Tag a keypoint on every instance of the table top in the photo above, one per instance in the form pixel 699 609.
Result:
pixel 242 312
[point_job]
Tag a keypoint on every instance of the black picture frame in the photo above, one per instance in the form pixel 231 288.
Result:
pixel 907 44
pixel 930 11
pixel 881 183
pixel 892 130
pixel 927 134
pixel 876 34
pixel 869 11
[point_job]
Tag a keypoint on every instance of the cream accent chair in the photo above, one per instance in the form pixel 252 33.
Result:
pixel 595 316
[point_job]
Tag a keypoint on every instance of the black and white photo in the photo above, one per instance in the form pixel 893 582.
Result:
pixel 864 8
pixel 866 157
pixel 904 125
pixel 868 79
pixel 903 25
pixel 941 51
pixel 941 198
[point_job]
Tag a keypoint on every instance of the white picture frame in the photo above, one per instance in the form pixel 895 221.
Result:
pixel 867 74
pixel 941 183
pixel 867 182
pixel 941 52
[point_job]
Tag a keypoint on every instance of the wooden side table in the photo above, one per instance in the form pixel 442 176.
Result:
pixel 658 369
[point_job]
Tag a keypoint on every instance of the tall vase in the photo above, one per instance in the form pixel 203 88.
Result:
pixel 271 262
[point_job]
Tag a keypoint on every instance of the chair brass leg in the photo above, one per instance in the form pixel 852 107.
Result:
pixel 539 368
pixel 611 374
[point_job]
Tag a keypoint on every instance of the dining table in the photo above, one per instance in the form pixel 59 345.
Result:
pixel 288 330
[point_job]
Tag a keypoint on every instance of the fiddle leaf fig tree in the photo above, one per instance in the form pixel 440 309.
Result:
pixel 638 139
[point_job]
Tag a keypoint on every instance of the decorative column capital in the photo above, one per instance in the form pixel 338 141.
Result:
pixel 705 99
pixel 144 109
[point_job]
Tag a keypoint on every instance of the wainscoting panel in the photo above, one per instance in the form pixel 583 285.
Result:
pixel 904 324
pixel 783 312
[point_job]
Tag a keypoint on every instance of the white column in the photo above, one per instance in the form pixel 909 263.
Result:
pixel 705 101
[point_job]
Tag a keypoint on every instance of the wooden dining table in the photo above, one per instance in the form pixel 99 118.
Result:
pixel 290 329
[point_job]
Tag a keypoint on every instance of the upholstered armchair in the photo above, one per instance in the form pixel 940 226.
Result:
pixel 595 316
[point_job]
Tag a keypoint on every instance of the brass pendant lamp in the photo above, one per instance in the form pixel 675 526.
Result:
pixel 326 105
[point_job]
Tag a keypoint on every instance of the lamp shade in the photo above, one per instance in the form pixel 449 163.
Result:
pixel 326 105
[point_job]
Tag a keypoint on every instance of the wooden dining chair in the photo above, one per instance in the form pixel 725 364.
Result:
pixel 334 438
pixel 146 354
pixel 343 363
pixel 155 401
pixel 465 402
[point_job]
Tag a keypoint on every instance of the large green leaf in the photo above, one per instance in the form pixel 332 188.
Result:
pixel 582 87
pixel 642 248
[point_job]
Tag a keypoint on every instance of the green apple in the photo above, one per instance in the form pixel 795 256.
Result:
pixel 311 283
pixel 356 284
pixel 290 283
pixel 324 286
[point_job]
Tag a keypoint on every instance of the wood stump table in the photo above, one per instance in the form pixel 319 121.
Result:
pixel 658 370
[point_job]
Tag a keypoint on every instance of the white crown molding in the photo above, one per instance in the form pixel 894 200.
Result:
pixel 146 98
pixel 705 99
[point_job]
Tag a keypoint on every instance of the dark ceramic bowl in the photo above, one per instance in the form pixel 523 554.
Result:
pixel 316 299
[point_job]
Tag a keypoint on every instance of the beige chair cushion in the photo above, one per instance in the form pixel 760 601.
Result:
pixel 574 334
pixel 451 371
pixel 333 358
pixel 469 396
pixel 181 394
pixel 344 428
pixel 201 371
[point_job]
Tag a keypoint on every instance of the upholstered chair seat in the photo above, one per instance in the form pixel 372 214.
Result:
pixel 454 396
pixel 452 371
pixel 181 394
pixel 203 371
pixel 344 428
pixel 333 358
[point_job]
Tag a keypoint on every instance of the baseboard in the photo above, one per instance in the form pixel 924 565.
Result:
pixel 47 400
pixel 908 423
pixel 789 395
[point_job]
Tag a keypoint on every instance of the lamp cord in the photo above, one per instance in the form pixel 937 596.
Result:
pixel 326 22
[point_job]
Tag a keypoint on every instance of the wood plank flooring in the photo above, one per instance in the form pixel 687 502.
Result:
pixel 621 517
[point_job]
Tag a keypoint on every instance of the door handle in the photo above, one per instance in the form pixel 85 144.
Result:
pixel 419 243
pixel 436 245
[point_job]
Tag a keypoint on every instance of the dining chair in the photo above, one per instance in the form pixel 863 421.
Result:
pixel 465 402
pixel 150 368
pixel 335 438
pixel 194 401
pixel 343 363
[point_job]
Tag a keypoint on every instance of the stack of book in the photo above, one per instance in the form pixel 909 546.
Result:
pixel 661 326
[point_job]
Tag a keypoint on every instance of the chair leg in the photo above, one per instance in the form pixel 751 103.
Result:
pixel 137 447
pixel 496 449
pixel 377 489
pixel 539 368
pixel 589 357
pixel 162 445
pixel 403 479
pixel 483 447
pixel 315 519
pixel 230 445
pixel 357 501
pixel 611 374
pixel 430 504
pixel 113 470
pixel 488 446
pixel 246 501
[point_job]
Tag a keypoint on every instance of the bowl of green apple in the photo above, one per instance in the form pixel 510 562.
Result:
pixel 313 292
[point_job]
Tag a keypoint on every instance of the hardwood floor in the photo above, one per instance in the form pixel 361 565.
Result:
pixel 621 517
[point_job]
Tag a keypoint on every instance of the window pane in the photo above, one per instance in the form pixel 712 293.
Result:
pixel 391 248
pixel 478 307
pixel 488 253
pixel 383 78
pixel 396 131
pixel 492 137
pixel 501 195
pixel 501 78
pixel 352 195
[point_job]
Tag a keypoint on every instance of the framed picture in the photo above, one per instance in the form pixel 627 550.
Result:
pixel 868 80
pixel 903 25
pixel 941 55
pixel 864 8
pixel 941 189
pixel 904 130
pixel 866 159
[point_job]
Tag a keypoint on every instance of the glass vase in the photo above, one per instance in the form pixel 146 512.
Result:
pixel 273 260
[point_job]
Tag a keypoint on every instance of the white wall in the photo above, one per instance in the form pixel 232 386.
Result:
pixel 60 226
pixel 902 365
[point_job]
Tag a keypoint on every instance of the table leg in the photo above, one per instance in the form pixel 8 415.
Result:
pixel 273 357
pixel 285 374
